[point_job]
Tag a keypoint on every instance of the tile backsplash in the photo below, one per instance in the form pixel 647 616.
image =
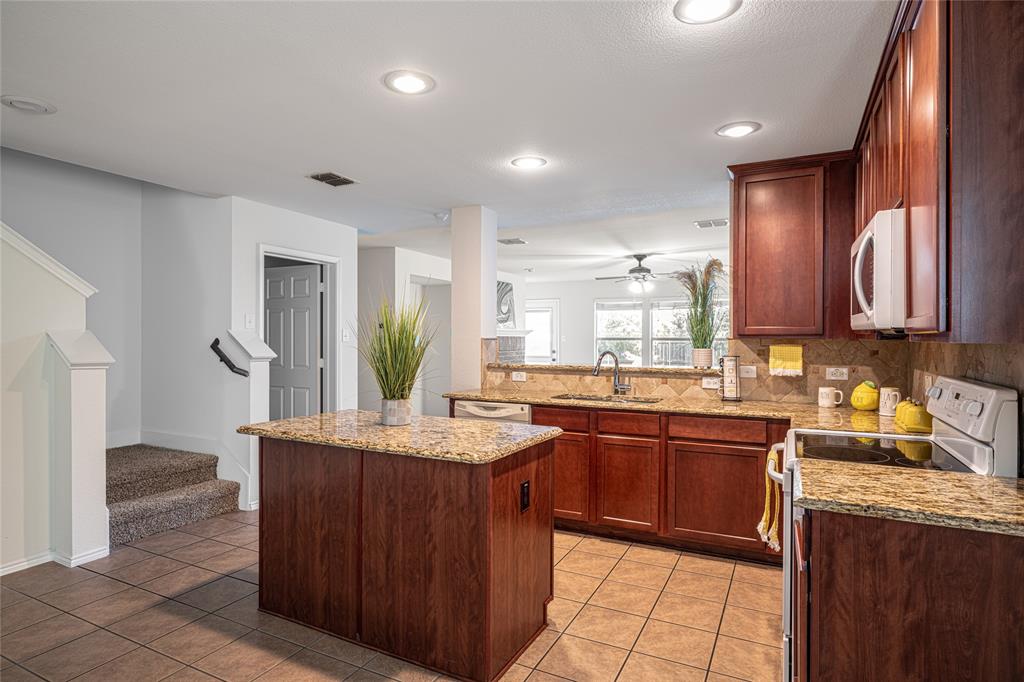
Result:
pixel 885 362
pixel 992 363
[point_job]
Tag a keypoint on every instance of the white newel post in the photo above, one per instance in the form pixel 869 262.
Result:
pixel 474 291
pixel 80 528
pixel 259 355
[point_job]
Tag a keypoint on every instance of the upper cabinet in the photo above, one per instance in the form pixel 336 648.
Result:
pixel 792 227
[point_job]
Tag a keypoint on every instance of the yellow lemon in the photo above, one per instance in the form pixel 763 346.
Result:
pixel 865 396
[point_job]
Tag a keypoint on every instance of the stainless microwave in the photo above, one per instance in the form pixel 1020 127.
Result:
pixel 878 269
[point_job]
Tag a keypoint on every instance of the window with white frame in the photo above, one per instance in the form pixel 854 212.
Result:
pixel 652 332
pixel 542 321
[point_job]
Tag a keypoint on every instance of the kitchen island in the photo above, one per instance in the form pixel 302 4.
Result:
pixel 431 542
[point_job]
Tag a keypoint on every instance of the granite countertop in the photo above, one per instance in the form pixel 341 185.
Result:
pixel 457 440
pixel 939 498
pixel 800 415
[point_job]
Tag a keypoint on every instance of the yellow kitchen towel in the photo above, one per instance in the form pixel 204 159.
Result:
pixel 786 361
pixel 768 529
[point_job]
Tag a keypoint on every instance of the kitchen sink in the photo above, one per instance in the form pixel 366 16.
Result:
pixel 606 398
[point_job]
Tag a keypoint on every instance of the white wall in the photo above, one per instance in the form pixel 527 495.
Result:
pixel 91 222
pixel 32 301
pixel 437 368
pixel 576 310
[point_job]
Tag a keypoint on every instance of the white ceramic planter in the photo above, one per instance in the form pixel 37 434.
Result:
pixel 395 412
pixel 702 357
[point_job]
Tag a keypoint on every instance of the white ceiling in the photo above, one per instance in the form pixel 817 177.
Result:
pixel 248 98
pixel 581 251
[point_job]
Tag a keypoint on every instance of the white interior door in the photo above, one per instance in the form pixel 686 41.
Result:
pixel 292 330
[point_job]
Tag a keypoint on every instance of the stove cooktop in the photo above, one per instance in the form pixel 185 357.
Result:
pixel 884 451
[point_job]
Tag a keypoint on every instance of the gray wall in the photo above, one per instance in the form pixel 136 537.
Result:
pixel 91 222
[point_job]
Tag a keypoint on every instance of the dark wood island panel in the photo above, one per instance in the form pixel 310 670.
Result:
pixel 430 560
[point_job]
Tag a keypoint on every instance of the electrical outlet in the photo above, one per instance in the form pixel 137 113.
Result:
pixel 518 376
pixel 748 371
pixel 711 382
pixel 837 373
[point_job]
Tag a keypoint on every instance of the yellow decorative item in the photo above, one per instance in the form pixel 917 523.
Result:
pixel 862 421
pixel 865 396
pixel 901 408
pixel 915 450
pixel 916 419
pixel 768 528
pixel 786 361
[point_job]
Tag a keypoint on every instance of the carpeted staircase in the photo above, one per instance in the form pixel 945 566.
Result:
pixel 151 489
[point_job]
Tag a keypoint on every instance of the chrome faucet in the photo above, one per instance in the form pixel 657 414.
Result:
pixel 619 388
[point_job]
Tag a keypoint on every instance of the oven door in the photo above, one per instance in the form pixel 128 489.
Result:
pixel 785 479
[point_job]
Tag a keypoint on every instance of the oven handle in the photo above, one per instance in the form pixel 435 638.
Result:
pixel 858 275
pixel 772 473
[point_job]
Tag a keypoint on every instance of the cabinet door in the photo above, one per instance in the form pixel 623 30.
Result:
pixel 925 171
pixel 572 476
pixel 895 94
pixel 627 482
pixel 778 280
pixel 880 153
pixel 715 493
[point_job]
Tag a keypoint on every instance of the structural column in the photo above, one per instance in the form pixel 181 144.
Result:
pixel 474 232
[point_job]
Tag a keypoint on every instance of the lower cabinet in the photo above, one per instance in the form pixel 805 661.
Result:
pixel 627 482
pixel 572 476
pixel 715 493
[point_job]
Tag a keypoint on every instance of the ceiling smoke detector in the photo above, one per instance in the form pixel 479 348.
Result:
pixel 711 222
pixel 512 241
pixel 332 179
pixel 27 105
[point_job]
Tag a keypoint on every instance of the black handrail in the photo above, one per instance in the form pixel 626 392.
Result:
pixel 226 360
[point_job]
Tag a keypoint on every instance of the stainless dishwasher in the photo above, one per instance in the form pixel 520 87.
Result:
pixel 505 412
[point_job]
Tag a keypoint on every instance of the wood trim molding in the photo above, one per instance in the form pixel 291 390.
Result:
pixel 47 262
pixel 790 163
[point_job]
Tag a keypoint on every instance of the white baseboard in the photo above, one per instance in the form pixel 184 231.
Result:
pixel 81 558
pixel 27 562
pixel 116 439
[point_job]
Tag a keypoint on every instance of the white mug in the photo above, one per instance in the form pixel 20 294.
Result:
pixel 829 397
pixel 888 398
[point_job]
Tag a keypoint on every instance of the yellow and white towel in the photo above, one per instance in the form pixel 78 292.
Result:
pixel 768 528
pixel 786 360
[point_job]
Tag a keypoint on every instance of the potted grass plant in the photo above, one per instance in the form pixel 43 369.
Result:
pixel 393 342
pixel 703 319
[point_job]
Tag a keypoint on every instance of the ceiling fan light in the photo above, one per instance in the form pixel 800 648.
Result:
pixel 636 286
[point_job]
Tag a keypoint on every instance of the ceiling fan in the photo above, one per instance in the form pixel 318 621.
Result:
pixel 640 273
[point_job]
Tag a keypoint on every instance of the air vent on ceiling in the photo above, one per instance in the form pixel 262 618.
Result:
pixel 711 222
pixel 332 179
pixel 512 241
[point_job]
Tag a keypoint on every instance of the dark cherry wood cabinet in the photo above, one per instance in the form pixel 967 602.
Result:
pixel 793 222
pixel 681 480
pixel 879 599
pixel 628 482
pixel 715 493
pixel 926 235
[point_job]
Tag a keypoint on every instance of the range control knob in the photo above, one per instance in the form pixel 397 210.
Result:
pixel 935 392
pixel 974 408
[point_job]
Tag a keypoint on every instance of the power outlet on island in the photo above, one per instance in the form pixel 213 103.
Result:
pixel 711 382
pixel 518 376
pixel 748 371
pixel 837 373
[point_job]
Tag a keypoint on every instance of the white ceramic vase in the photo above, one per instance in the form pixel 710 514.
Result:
pixel 702 358
pixel 395 412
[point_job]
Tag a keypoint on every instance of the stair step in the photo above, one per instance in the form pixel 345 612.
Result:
pixel 139 470
pixel 133 519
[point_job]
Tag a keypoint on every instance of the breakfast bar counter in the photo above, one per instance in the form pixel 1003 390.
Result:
pixel 431 542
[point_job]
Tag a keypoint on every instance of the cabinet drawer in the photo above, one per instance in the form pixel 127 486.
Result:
pixel 629 423
pixel 567 420
pixel 717 429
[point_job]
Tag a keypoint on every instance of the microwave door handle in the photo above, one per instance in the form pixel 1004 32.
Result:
pixel 858 275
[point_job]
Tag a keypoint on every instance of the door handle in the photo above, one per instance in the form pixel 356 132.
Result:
pixel 858 275
pixel 772 473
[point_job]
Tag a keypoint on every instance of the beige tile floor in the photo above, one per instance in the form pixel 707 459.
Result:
pixel 182 606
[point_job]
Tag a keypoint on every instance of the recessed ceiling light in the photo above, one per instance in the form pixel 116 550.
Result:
pixel 738 129
pixel 529 162
pixel 705 11
pixel 28 105
pixel 409 82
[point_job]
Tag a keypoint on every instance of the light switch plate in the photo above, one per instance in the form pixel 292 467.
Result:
pixel 748 371
pixel 710 382
pixel 346 335
pixel 837 373
pixel 518 376
pixel 250 321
